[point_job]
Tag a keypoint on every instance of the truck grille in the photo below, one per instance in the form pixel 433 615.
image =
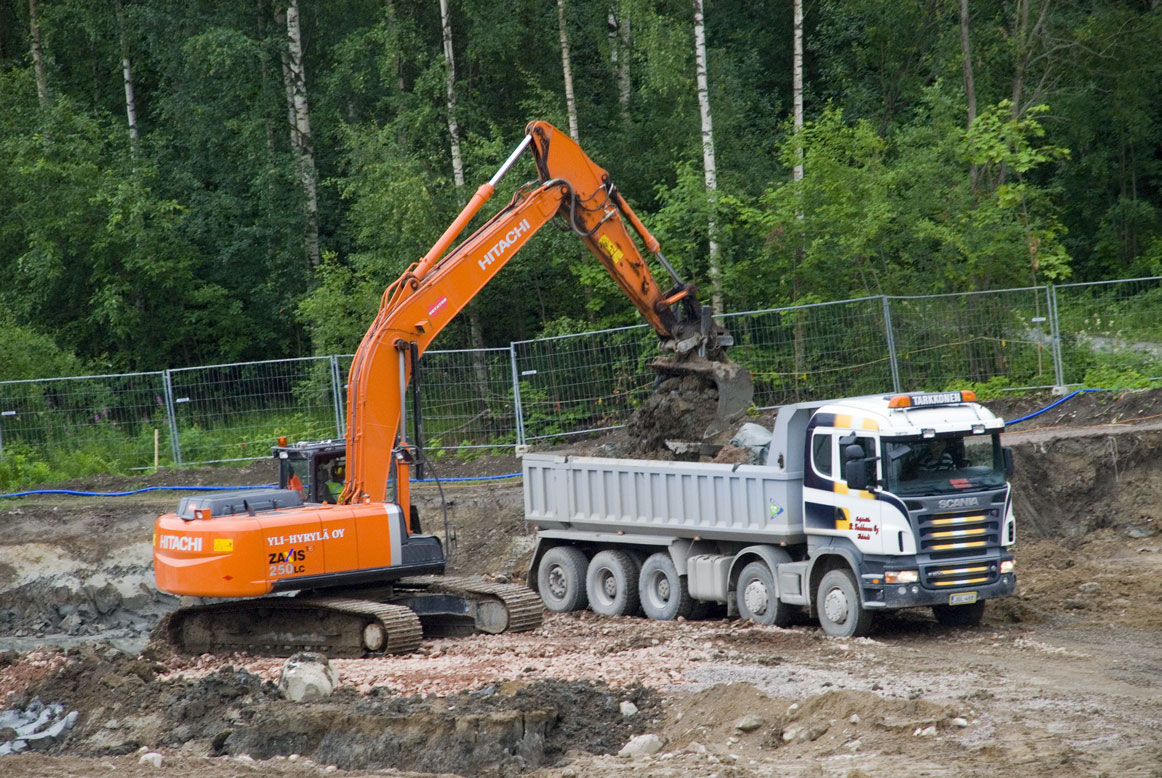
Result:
pixel 947 536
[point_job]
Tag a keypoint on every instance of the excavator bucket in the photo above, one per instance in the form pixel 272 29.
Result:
pixel 733 381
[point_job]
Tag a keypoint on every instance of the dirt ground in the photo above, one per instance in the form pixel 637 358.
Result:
pixel 1063 680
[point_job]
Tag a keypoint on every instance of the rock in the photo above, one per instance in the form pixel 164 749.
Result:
pixel 960 721
pixel 151 758
pixel 792 710
pixel 641 745
pixel 307 677
pixel 1141 532
pixel 628 709
pixel 748 723
pixel 1089 587
pixel 854 719
pixel 928 731
pixel 815 732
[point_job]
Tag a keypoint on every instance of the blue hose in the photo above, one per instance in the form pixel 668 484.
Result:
pixel 1053 405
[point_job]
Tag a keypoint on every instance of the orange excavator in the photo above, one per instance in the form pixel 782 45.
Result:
pixel 350 572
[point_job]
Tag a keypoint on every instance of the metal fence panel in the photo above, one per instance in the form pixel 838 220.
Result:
pixel 944 340
pixel 574 384
pixel 234 412
pixel 1110 328
pixel 95 420
pixel 813 352
pixel 467 399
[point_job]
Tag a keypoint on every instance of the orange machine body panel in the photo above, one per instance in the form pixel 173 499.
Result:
pixel 249 556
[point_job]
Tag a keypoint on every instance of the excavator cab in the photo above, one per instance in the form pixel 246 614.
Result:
pixel 314 470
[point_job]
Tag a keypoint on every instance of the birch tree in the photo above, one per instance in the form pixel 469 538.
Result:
pixel 450 83
pixel 127 73
pixel 471 311
pixel 567 69
pixel 42 93
pixel 299 117
pixel 969 83
pixel 708 164
pixel 619 54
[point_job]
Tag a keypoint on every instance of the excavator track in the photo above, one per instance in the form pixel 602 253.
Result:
pixel 280 626
pixel 353 627
pixel 498 607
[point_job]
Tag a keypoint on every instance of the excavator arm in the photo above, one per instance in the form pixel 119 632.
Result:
pixel 418 305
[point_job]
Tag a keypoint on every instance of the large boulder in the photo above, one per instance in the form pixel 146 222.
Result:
pixel 307 677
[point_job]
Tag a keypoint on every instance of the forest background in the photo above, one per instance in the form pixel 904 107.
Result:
pixel 186 183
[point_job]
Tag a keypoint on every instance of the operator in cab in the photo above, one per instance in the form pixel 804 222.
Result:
pixel 335 481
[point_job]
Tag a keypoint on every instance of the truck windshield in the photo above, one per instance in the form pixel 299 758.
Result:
pixel 948 463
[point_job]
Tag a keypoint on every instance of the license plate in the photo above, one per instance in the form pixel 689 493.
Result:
pixel 963 598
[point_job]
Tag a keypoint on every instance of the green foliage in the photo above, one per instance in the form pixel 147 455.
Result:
pixel 1118 379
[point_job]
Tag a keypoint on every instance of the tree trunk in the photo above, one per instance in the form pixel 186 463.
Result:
pixel 567 69
pixel 299 115
pixel 800 334
pixel 619 54
pixel 127 71
pixel 708 163
pixel 396 54
pixel 471 310
pixel 453 127
pixel 969 84
pixel 42 93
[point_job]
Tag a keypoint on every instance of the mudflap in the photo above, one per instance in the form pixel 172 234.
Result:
pixel 734 382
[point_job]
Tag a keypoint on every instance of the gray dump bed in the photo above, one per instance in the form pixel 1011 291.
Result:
pixel 679 499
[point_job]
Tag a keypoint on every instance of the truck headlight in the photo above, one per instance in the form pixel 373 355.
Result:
pixel 1007 566
pixel 901 576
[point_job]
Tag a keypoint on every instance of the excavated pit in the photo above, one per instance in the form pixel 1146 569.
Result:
pixel 498 730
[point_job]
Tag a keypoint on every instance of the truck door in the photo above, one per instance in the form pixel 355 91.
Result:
pixel 829 506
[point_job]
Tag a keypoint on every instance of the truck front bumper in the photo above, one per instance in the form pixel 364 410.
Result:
pixel 911 595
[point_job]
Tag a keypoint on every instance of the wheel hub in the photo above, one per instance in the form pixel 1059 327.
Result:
pixel 835 606
pixel 662 588
pixel 557 585
pixel 608 584
pixel 756 597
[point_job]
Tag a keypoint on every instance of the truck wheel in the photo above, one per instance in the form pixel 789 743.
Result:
pixel 663 592
pixel 561 579
pixel 757 598
pixel 840 612
pixel 611 583
pixel 959 615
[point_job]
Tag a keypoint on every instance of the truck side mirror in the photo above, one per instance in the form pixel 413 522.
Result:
pixel 1007 459
pixel 855 473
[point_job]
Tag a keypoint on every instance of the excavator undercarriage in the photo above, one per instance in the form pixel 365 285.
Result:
pixel 389 619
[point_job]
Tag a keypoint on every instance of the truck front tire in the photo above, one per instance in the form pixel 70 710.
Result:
pixel 561 579
pixel 663 592
pixel 959 615
pixel 612 583
pixel 841 614
pixel 757 598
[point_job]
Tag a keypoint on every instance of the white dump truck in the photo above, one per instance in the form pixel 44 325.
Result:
pixel 856 506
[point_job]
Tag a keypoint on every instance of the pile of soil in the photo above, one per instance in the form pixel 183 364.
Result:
pixel 679 409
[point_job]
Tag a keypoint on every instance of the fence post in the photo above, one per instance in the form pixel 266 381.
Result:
pixel 891 344
pixel 337 397
pixel 517 410
pixel 1055 336
pixel 174 444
